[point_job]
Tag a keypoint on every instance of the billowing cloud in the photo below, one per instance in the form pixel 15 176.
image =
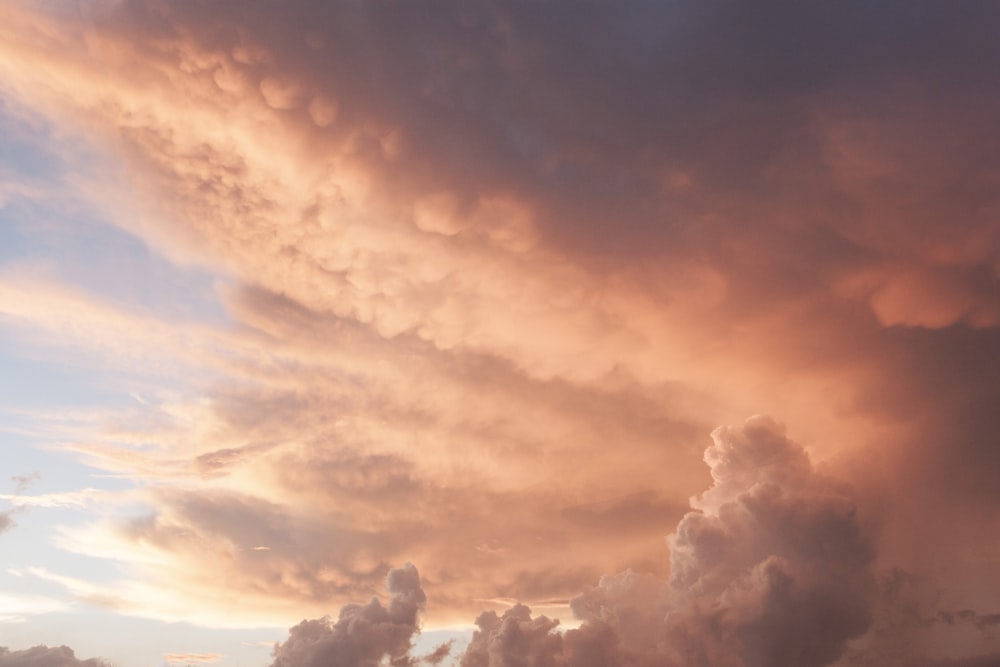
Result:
pixel 776 562
pixel 770 567
pixel 363 635
pixel 515 638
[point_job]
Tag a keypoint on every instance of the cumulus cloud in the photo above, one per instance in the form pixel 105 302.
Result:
pixel 770 568
pixel 776 561
pixel 363 635
pixel 45 656
pixel 513 639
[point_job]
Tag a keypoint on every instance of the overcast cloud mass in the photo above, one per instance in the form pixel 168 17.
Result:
pixel 501 292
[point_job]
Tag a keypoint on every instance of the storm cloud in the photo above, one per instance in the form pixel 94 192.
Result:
pixel 485 276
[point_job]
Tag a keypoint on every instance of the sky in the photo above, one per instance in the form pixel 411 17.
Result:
pixel 482 334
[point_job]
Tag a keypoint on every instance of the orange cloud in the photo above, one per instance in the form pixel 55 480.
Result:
pixel 482 323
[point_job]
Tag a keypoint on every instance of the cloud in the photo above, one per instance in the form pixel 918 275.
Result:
pixel 192 658
pixel 770 567
pixel 776 560
pixel 22 482
pixel 17 608
pixel 439 654
pixel 509 260
pixel 45 656
pixel 362 635
pixel 977 661
pixel 80 498
pixel 514 638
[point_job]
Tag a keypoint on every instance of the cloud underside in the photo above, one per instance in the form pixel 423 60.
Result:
pixel 493 274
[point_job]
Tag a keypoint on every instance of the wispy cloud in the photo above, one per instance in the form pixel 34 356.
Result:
pixel 18 608
pixel 192 658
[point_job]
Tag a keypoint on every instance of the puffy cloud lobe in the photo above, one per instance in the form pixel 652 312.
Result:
pixel 45 656
pixel 513 639
pixel 363 635
pixel 518 639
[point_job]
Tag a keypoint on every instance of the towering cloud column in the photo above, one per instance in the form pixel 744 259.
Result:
pixel 771 568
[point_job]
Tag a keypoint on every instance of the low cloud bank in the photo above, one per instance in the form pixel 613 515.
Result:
pixel 46 656
pixel 769 568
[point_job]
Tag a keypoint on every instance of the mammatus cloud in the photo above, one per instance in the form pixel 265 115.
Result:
pixel 522 258
pixel 45 656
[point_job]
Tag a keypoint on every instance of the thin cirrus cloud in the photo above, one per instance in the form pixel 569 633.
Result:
pixel 192 658
pixel 495 274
